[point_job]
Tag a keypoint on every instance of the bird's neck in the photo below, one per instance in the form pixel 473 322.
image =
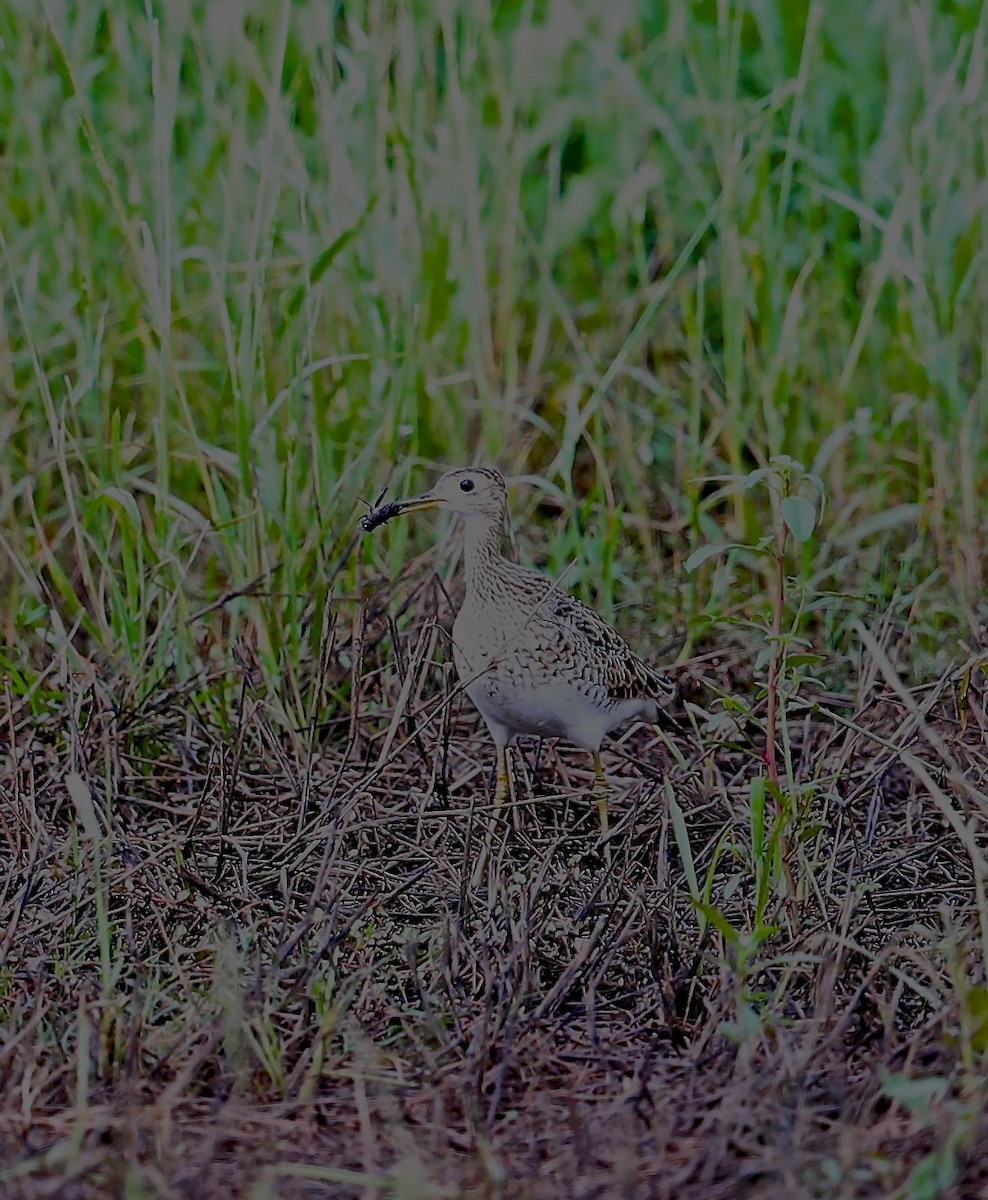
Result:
pixel 481 549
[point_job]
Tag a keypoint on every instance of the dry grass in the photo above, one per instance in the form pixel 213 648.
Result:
pixel 244 964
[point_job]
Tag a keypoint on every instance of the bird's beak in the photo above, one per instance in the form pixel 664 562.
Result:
pixel 417 503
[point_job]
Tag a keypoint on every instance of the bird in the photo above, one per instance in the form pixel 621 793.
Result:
pixel 532 658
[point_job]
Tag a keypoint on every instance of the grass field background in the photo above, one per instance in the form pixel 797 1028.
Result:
pixel 667 266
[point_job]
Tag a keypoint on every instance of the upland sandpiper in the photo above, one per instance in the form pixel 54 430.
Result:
pixel 533 659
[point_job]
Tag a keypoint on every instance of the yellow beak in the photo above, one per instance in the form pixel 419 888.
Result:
pixel 417 503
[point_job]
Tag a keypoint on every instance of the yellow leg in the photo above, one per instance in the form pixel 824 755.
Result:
pixel 502 789
pixel 601 790
pixel 502 793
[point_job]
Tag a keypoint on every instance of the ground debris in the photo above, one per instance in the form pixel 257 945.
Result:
pixel 303 979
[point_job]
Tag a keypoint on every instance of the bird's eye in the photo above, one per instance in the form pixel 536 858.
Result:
pixel 467 485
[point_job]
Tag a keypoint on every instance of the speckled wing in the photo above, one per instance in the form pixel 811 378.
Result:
pixel 606 653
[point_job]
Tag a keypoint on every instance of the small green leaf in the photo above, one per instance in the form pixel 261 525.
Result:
pixel 717 479
pixel 785 462
pixel 125 502
pixel 699 557
pixel 803 660
pixel 325 260
pixel 764 655
pixel 976 1005
pixel 682 837
pixel 817 483
pixel 916 1095
pixel 762 932
pixel 932 1174
pixel 718 920
pixel 699 624
pixel 800 517
pixel 755 477
pixel 756 807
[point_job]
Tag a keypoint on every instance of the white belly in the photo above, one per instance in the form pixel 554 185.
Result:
pixel 547 709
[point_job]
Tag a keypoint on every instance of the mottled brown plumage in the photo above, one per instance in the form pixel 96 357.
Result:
pixel 533 659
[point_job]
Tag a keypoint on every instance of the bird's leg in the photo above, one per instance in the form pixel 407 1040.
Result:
pixel 502 793
pixel 601 791
pixel 502 789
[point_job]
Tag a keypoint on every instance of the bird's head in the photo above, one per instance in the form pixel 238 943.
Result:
pixel 468 492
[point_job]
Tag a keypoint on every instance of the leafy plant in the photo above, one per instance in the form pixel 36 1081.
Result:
pixel 797 498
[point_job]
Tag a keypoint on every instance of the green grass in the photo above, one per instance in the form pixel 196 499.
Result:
pixel 260 260
pixel 257 265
